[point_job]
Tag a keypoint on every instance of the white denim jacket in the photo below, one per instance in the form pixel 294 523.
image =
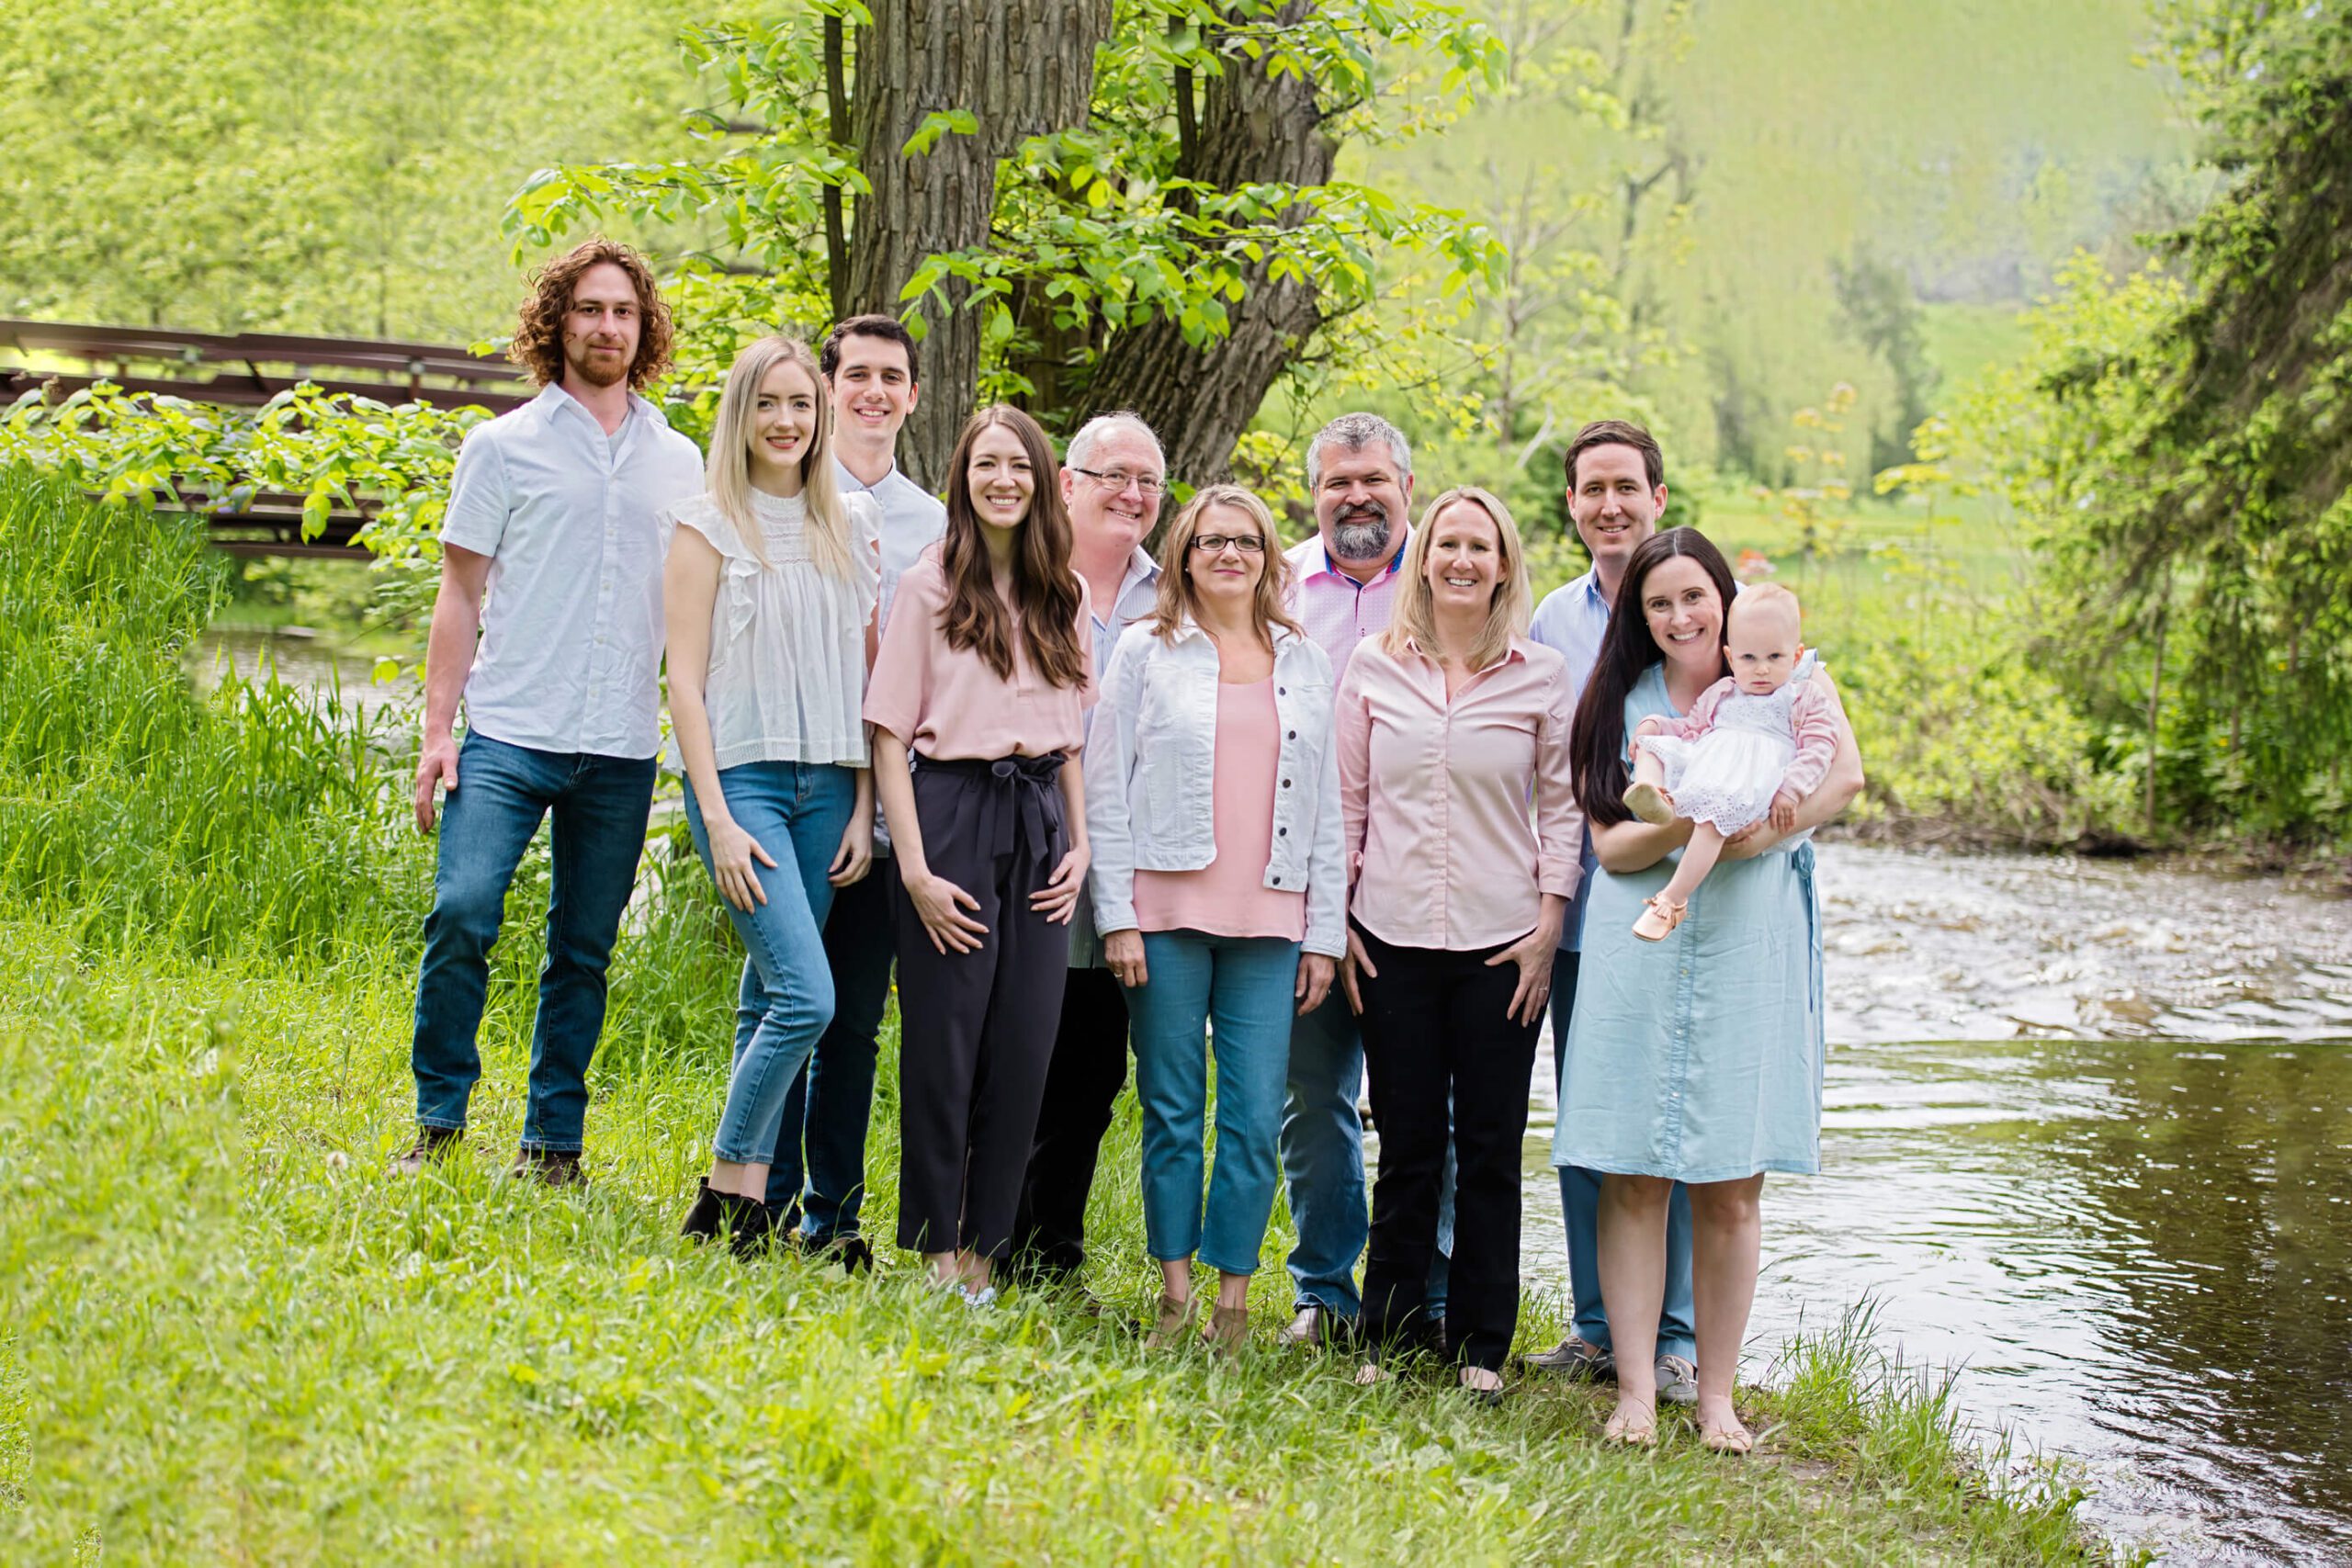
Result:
pixel 1152 769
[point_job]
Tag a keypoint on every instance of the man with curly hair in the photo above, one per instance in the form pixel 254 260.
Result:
pixel 553 515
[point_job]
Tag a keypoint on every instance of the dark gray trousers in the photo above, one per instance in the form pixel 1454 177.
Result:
pixel 977 1029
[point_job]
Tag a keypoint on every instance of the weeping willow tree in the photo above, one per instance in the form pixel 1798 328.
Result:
pixel 2203 545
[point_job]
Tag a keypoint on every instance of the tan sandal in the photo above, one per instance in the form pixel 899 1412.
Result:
pixel 1227 1330
pixel 1631 1434
pixel 1659 919
pixel 1175 1317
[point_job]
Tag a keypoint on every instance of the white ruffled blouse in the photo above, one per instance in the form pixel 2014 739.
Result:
pixel 787 639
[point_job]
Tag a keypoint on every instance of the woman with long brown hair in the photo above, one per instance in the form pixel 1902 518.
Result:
pixel 1217 882
pixel 983 678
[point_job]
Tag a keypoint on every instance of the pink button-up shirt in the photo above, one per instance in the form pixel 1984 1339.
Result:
pixel 947 704
pixel 1335 610
pixel 1434 795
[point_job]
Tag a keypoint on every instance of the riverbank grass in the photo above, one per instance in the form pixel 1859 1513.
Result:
pixel 237 1338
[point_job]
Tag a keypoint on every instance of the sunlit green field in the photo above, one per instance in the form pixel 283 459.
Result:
pixel 227 1333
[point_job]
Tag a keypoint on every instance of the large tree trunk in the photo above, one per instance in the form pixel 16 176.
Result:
pixel 1253 126
pixel 1023 68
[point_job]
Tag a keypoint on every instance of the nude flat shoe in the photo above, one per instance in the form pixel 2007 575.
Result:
pixel 1175 1317
pixel 1659 919
pixel 1227 1330
pixel 1651 804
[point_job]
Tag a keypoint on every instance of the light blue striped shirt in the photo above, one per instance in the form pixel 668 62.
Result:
pixel 1573 619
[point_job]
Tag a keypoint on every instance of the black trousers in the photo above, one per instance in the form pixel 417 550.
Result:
pixel 1434 1023
pixel 1090 1068
pixel 977 1029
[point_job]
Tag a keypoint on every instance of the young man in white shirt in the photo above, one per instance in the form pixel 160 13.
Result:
pixel 552 516
pixel 817 1179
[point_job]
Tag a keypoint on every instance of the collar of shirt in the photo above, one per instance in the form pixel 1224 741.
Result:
pixel 552 400
pixel 1141 570
pixel 1515 652
pixel 1188 628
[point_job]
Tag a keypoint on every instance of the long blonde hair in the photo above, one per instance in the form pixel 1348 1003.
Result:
pixel 1180 600
pixel 729 469
pixel 1414 618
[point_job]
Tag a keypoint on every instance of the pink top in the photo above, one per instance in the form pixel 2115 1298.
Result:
pixel 1336 611
pixel 1813 720
pixel 947 704
pixel 1434 796
pixel 1228 897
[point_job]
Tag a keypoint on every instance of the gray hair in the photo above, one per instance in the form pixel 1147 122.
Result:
pixel 1353 432
pixel 1090 435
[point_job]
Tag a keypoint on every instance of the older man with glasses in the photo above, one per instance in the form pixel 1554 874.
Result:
pixel 1113 478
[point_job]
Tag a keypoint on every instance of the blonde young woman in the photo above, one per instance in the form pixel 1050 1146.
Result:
pixel 1449 725
pixel 769 592
pixel 1217 882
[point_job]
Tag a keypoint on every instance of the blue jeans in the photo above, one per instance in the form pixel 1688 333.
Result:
pixel 833 1101
pixel 797 813
pixel 600 805
pixel 1322 1149
pixel 1243 986
pixel 1580 1206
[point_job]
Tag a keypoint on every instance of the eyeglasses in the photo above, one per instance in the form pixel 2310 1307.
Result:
pixel 1117 479
pixel 1214 544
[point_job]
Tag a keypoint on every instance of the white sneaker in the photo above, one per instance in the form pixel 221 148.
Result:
pixel 1678 1380
pixel 985 1297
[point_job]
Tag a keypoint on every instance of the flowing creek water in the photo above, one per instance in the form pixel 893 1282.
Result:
pixel 2087 1144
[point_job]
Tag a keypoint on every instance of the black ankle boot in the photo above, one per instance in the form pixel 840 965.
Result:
pixel 708 1216
pixel 749 1227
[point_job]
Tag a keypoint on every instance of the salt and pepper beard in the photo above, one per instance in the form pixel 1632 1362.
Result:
pixel 1362 541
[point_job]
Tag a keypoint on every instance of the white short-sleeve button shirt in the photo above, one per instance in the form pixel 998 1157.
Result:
pixel 570 648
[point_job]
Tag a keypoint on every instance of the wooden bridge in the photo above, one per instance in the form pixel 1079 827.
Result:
pixel 247 369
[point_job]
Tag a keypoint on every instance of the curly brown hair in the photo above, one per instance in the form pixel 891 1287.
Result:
pixel 537 346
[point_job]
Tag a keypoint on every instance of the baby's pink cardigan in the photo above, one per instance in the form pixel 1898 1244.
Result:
pixel 1811 717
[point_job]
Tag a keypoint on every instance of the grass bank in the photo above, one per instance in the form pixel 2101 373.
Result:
pixel 225 1334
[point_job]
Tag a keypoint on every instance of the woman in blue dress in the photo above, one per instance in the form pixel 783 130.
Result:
pixel 1696 1059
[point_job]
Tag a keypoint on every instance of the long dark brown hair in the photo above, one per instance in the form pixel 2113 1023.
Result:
pixel 1597 742
pixel 538 344
pixel 1044 590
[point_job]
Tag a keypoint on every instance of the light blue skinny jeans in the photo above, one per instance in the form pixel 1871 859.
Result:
pixel 797 813
pixel 1243 987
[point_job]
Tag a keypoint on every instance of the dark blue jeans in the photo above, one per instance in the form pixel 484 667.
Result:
pixel 832 1100
pixel 600 806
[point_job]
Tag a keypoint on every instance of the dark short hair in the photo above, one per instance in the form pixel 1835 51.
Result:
pixel 1617 433
pixel 829 357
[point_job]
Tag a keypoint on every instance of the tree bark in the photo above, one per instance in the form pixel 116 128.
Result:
pixel 1253 126
pixel 1023 68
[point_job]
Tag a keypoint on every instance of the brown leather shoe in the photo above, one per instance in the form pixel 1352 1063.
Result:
pixel 552 1167
pixel 433 1145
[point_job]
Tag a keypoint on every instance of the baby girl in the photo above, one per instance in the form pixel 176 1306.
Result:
pixel 1756 743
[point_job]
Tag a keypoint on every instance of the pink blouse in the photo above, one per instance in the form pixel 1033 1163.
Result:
pixel 1434 796
pixel 1229 897
pixel 946 702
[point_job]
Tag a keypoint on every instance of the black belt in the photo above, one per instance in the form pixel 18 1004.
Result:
pixel 1016 796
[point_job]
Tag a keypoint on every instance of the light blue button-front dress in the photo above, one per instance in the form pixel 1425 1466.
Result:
pixel 1698 1057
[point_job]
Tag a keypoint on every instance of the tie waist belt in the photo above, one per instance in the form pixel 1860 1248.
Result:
pixel 1019 799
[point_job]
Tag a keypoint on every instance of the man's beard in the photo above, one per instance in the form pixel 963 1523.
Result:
pixel 596 370
pixel 1362 540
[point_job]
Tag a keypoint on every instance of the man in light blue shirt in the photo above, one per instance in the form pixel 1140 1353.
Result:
pixel 1616 478
pixel 869 364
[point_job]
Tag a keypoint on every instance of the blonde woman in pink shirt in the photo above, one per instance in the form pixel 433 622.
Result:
pixel 983 676
pixel 1218 883
pixel 1449 724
